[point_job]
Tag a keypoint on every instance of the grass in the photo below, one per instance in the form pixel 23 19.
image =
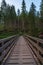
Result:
pixel 1 27
pixel 5 35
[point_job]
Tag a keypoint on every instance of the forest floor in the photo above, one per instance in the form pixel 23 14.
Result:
pixel 5 35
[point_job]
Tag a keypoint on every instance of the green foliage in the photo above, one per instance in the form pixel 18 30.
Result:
pixel 41 16
pixel 23 7
pixel 32 19
pixel 1 26
pixel 0 16
pixel 23 15
pixel 38 21
pixel 6 34
pixel 9 16
pixel 3 3
pixel 18 12
pixel 21 23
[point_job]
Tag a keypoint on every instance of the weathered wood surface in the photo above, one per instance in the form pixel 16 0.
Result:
pixel 21 54
pixel 36 39
pixel 36 45
pixel 5 46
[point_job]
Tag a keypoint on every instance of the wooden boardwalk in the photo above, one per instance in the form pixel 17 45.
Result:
pixel 21 54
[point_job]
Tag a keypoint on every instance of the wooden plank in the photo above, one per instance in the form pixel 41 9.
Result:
pixel 37 39
pixel 36 52
pixel 21 54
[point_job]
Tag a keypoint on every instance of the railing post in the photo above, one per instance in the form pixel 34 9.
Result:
pixel 5 45
pixel 37 49
pixel 38 44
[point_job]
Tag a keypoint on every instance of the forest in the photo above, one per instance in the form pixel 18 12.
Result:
pixel 23 22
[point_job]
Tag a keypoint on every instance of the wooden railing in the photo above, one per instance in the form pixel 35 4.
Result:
pixel 36 45
pixel 5 46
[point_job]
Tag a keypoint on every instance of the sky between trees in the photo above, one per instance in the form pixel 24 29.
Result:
pixel 17 4
pixel 30 22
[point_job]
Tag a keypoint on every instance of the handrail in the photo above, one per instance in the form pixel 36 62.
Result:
pixel 5 46
pixel 39 40
pixel 36 45
pixel 7 38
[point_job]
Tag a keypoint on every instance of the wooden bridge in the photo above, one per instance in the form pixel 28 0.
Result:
pixel 21 50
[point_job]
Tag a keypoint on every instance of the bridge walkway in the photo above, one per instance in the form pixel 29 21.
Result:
pixel 21 54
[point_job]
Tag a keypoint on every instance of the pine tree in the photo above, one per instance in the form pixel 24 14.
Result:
pixel 23 15
pixel 32 19
pixel 23 7
pixel 18 19
pixel 38 20
pixel 41 16
pixel 11 18
pixel 0 15
pixel 3 9
pixel 8 20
